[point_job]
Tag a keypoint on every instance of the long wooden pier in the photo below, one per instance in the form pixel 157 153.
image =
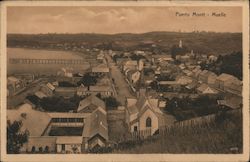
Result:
pixel 46 61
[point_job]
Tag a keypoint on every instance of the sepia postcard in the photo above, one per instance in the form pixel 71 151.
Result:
pixel 124 81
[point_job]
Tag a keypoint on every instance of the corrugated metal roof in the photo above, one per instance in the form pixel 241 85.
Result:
pixel 95 124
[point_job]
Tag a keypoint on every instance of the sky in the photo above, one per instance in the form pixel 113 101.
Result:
pixel 119 19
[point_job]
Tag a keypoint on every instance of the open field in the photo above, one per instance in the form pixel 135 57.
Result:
pixel 116 125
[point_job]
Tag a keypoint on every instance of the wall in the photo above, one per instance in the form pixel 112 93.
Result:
pixel 133 125
pixel 41 142
pixel 154 119
pixel 69 148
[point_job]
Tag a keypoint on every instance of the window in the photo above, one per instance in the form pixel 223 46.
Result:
pixel 135 128
pixel 148 122
pixel 63 147
pixel 64 120
pixel 79 119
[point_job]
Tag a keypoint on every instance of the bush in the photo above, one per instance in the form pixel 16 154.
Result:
pixel 33 149
pixel 46 150
pixel 111 103
pixel 101 150
pixel 186 108
pixel 66 84
pixel 40 149
pixel 60 104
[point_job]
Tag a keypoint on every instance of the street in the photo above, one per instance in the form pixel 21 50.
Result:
pixel 123 90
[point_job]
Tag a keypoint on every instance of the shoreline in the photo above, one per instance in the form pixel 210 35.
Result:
pixel 77 53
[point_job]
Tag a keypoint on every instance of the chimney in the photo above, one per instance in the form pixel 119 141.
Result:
pixel 142 92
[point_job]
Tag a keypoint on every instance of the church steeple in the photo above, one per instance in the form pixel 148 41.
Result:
pixel 180 44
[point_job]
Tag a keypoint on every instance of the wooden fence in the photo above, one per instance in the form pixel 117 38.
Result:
pixel 142 134
pixel 195 122
pixel 202 121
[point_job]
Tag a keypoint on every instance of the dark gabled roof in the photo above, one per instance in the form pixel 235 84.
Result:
pixel 140 102
pixel 140 108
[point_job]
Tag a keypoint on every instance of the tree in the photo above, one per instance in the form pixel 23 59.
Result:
pixel 111 102
pixel 40 149
pixel 33 149
pixel 175 50
pixel 88 80
pixel 46 150
pixel 66 84
pixel 60 104
pixel 154 85
pixel 137 57
pixel 230 64
pixel 15 138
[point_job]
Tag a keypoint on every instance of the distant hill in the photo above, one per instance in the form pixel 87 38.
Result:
pixel 200 42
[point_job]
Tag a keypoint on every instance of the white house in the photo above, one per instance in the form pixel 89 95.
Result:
pixel 144 114
pixel 205 89
pixel 130 64
pixel 65 72
pixel 133 76
pixel 227 82
pixel 48 89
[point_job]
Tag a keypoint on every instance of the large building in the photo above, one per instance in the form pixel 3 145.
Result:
pixel 14 85
pixel 228 83
pixel 61 132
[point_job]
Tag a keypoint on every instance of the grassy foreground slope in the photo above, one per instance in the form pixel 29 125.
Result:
pixel 218 137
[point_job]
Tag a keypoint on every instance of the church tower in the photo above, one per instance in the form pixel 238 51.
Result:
pixel 180 44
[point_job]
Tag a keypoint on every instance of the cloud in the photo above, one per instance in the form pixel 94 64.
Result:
pixel 118 19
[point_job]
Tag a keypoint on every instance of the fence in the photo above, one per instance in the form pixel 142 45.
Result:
pixel 46 61
pixel 142 134
pixel 145 136
pixel 195 122
pixel 202 121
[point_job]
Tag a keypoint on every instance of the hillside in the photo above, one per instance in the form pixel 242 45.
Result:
pixel 219 133
pixel 200 42
pixel 218 137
